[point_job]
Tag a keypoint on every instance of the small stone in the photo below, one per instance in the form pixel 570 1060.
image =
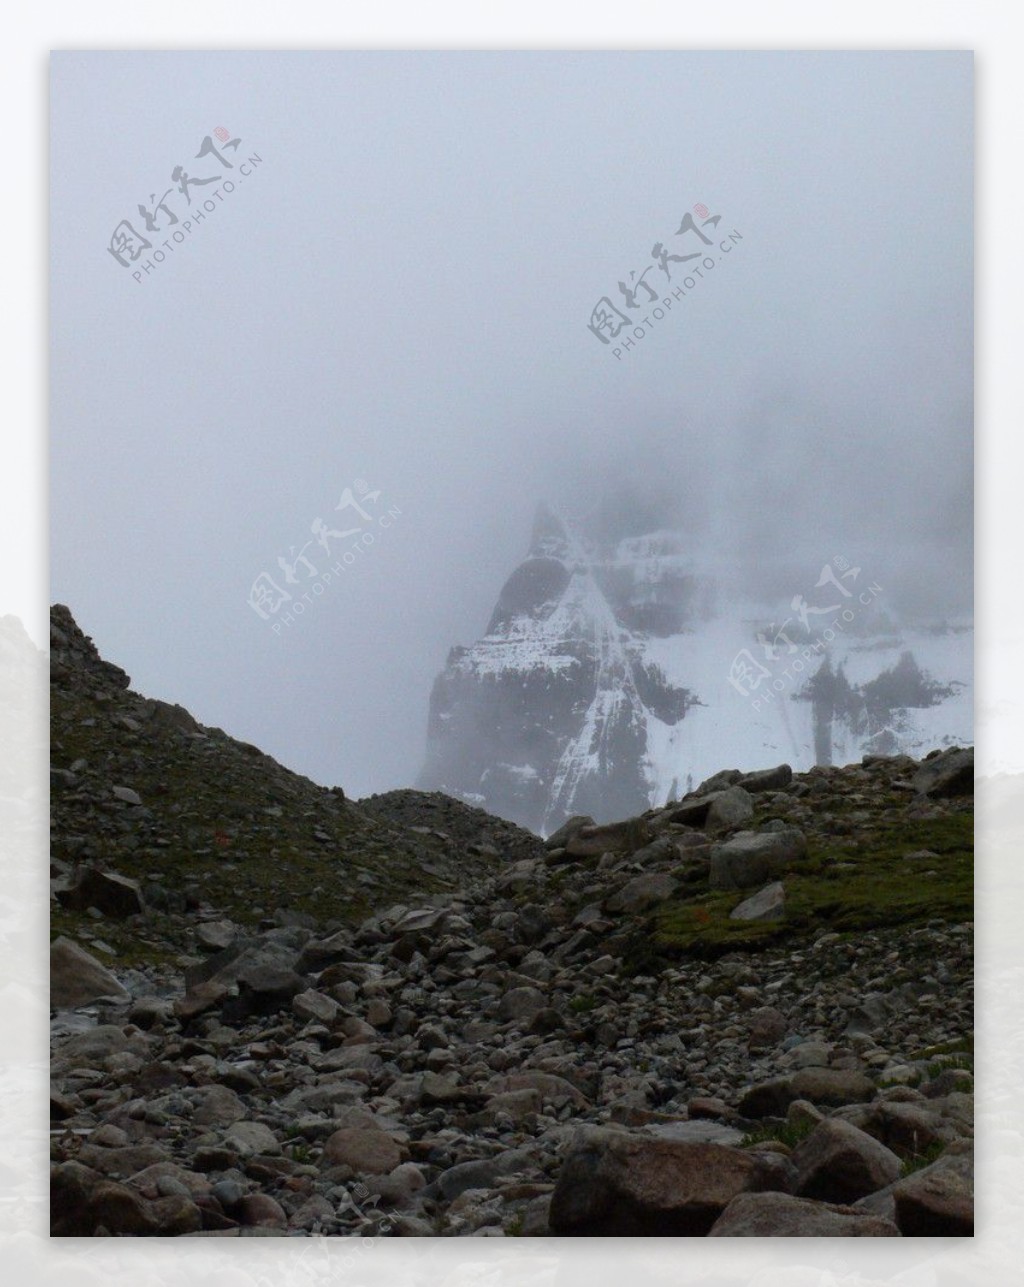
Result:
pixel 215 936
pixel 312 1004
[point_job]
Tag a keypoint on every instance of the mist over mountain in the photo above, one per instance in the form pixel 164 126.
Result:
pixel 626 660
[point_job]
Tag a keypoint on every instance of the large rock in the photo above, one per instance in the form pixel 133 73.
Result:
pixel 947 774
pixel 548 1085
pixel 215 936
pixel 82 1203
pixel 218 1106
pixel 829 1087
pixel 481 1173
pixel 262 990
pixel 938 1200
pixel 753 857
pixel 780 1215
pixel 776 779
pixel 612 837
pixel 618 1184
pixel 109 893
pixel 903 1127
pixel 643 891
pixel 230 964
pixel 832 1087
pixel 768 1026
pixel 558 839
pixel 76 977
pixel 768 904
pixel 368 1151
pixel 92 1048
pixel 729 809
pixel 839 1163
pixel 522 1003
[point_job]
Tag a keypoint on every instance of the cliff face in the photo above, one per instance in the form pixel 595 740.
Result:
pixel 605 683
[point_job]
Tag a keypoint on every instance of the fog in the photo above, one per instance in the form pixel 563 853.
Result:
pixel 398 294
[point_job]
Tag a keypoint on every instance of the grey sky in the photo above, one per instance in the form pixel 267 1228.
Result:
pixel 399 294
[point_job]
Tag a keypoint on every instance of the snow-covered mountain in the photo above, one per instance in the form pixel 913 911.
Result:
pixel 618 672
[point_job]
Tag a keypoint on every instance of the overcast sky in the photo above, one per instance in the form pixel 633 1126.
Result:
pixel 397 293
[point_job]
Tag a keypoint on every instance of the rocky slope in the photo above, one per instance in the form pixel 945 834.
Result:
pixel 141 790
pixel 617 668
pixel 748 1012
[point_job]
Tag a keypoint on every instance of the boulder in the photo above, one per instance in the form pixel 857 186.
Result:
pixel 549 1085
pixel 217 1106
pixel 612 837
pixel 482 1173
pixel 311 1004
pixel 904 1127
pixel 558 839
pixel 768 1026
pixel 753 857
pixel 113 895
pixel 838 1162
pixel 262 990
pixel 76 977
pixel 768 904
pixel 367 1150
pixel 776 779
pixel 620 1184
pixel 522 1003
pixel 642 892
pixel 949 773
pixel 215 936
pixel 938 1200
pixel 780 1215
pixel 832 1087
pixel 729 809
pixel 767 1098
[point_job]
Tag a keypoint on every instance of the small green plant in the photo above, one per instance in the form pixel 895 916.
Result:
pixel 301 1153
pixel 917 1161
pixel 788 1133
pixel 960 1063
pixel 514 1228
pixel 913 1081
pixel 583 1004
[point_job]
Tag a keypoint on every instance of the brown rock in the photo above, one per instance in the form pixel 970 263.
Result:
pixel 839 1163
pixel 76 977
pixel 832 1087
pixel 218 1106
pixel 113 895
pixel 619 1184
pixel 366 1151
pixel 779 1215
pixel 938 1201
pixel 262 1210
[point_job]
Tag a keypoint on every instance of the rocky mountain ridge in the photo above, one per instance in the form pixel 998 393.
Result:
pixel 617 669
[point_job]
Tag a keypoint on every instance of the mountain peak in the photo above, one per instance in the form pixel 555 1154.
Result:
pixel 549 538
